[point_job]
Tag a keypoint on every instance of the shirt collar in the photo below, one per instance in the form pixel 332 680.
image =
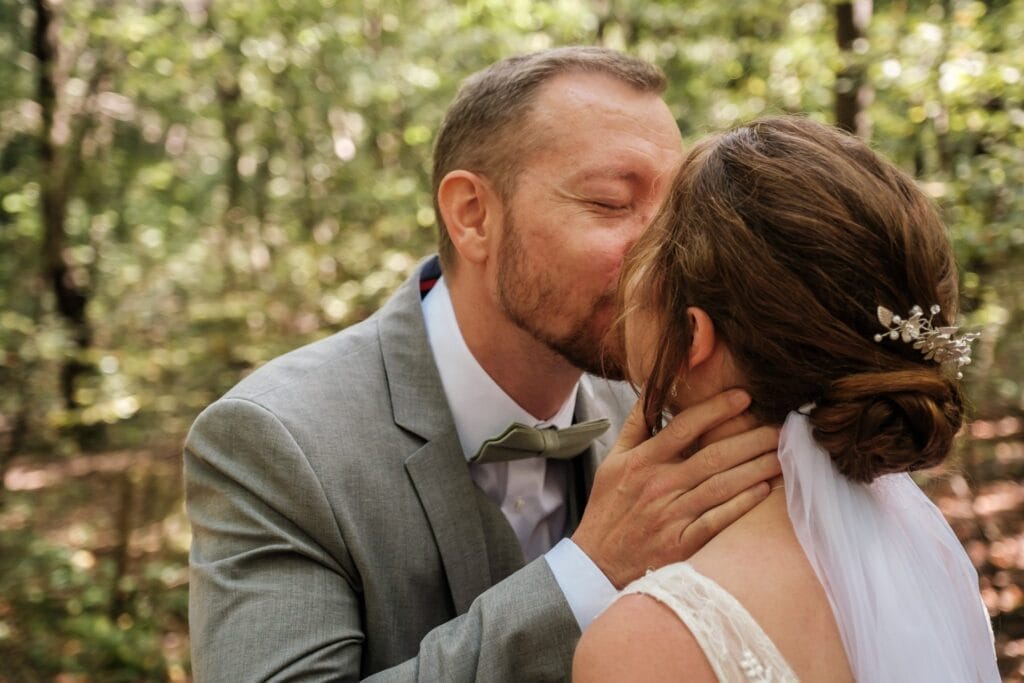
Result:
pixel 481 409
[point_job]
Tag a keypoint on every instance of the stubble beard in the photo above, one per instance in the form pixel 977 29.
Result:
pixel 528 300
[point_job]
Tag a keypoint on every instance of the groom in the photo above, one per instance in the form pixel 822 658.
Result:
pixel 353 515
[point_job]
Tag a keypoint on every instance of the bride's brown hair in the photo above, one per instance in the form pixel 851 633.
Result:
pixel 790 234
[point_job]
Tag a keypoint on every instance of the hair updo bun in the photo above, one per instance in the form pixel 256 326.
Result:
pixel 877 423
pixel 789 235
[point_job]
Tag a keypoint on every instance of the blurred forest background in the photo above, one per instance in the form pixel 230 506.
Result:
pixel 189 188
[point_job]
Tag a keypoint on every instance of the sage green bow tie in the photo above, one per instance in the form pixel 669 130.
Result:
pixel 519 441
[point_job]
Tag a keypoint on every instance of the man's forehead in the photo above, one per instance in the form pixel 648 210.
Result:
pixel 606 127
pixel 580 91
pixel 573 103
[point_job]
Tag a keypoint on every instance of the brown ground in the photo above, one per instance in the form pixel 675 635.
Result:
pixel 126 507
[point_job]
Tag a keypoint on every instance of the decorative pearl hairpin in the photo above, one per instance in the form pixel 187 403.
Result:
pixel 939 344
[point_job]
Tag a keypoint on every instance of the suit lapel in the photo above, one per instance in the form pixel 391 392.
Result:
pixel 477 550
pixel 504 554
pixel 448 496
pixel 438 470
pixel 589 407
pixel 576 493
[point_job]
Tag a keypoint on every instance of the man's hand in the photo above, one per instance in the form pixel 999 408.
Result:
pixel 649 507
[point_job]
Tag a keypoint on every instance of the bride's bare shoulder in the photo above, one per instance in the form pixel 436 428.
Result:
pixel 639 639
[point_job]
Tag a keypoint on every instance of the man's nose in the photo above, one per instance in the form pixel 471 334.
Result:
pixel 641 221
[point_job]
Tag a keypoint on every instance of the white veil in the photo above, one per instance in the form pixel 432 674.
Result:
pixel 904 594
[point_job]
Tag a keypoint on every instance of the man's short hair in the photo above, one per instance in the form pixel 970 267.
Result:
pixel 484 129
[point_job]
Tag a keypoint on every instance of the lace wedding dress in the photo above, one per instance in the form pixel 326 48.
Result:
pixel 902 590
pixel 732 641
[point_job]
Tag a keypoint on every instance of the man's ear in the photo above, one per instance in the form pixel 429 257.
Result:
pixel 466 200
pixel 704 337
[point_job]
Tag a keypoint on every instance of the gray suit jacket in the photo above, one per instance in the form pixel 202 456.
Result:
pixel 337 533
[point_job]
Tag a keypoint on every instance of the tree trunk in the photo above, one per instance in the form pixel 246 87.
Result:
pixel 852 95
pixel 11 440
pixel 228 95
pixel 123 523
pixel 70 293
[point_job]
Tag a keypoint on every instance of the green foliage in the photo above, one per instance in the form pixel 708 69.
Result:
pixel 247 176
pixel 93 571
pixel 256 174
pixel 55 619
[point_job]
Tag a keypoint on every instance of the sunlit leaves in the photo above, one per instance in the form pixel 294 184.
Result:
pixel 280 152
pixel 254 174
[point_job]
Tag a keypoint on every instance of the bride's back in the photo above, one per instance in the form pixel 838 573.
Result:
pixel 759 561
pixel 693 631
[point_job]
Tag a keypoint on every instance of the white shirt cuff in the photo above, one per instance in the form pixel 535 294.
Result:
pixel 586 588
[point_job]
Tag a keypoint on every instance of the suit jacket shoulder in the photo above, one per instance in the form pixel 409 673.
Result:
pixel 336 527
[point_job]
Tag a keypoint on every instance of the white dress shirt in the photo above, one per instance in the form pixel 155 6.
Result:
pixel 531 492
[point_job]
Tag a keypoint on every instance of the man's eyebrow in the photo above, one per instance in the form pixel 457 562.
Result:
pixel 605 174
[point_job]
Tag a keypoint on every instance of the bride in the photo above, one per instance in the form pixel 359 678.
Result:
pixel 792 261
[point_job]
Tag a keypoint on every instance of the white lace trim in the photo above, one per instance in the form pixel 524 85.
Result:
pixel 734 644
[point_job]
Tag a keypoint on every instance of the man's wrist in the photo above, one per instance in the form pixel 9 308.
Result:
pixel 585 587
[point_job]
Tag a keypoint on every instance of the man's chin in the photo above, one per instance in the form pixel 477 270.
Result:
pixel 602 360
pixel 610 371
pixel 607 357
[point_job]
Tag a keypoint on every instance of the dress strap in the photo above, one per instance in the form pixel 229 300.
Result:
pixel 735 645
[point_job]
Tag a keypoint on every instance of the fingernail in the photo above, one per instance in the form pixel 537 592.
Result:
pixel 739 398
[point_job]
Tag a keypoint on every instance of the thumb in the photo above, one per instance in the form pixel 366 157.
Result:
pixel 634 431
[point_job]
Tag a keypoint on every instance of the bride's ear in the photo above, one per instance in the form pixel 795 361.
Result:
pixel 702 347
